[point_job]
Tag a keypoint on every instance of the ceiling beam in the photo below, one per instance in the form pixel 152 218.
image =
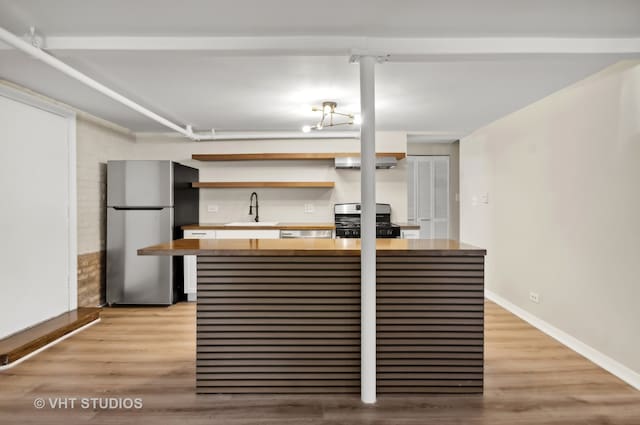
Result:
pixel 398 49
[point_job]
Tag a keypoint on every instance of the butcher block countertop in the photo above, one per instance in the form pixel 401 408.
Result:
pixel 293 247
pixel 277 226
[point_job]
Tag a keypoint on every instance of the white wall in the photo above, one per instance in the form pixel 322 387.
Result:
pixel 283 204
pixel 37 220
pixel 563 217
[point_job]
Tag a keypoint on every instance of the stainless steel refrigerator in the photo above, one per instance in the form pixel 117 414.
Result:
pixel 147 203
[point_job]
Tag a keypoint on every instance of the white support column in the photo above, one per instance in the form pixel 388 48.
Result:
pixel 368 231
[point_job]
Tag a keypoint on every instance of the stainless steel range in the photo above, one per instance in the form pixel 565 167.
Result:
pixel 347 218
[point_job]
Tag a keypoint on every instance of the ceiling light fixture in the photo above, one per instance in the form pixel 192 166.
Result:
pixel 328 118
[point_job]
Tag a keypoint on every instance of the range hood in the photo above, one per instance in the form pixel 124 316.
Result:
pixel 353 162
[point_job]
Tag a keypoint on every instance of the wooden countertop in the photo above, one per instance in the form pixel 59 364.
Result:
pixel 279 226
pixel 302 247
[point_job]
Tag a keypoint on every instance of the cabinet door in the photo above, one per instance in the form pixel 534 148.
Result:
pixel 199 234
pixel 190 274
pixel 411 234
pixel 190 261
pixel 248 234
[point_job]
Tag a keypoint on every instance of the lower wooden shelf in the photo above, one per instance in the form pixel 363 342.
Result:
pixel 23 343
pixel 222 185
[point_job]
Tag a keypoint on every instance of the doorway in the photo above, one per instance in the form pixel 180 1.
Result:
pixel 428 195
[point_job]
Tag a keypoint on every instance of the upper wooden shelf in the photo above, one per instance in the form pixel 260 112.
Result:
pixel 221 185
pixel 286 156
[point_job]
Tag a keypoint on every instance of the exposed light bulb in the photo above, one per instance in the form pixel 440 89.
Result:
pixel 357 119
pixel 306 129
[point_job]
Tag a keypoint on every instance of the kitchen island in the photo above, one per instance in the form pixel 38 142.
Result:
pixel 283 316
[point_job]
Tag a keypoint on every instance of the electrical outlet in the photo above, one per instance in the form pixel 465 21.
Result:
pixel 534 297
pixel 308 208
pixel 212 208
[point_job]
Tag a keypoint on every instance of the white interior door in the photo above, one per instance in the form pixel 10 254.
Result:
pixel 428 195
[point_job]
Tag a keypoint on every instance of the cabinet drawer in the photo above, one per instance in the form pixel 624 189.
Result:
pixel 410 234
pixel 248 234
pixel 199 234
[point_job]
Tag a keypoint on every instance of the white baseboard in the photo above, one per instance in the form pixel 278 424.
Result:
pixel 607 363
pixel 51 344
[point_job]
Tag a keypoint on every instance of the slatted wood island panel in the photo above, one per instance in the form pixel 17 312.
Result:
pixel 283 316
pixel 278 324
pixel 430 333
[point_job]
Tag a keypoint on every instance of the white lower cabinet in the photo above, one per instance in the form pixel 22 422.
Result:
pixel 248 234
pixel 410 234
pixel 199 234
pixel 190 263
pixel 190 267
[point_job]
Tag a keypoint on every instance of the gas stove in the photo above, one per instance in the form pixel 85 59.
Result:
pixel 347 219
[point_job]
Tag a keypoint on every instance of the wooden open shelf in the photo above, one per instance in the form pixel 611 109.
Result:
pixel 228 185
pixel 286 156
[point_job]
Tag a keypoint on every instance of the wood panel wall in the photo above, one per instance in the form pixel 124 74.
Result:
pixel 291 325
pixel 278 325
pixel 430 332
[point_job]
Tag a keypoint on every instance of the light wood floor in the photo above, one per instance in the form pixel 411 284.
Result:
pixel 149 353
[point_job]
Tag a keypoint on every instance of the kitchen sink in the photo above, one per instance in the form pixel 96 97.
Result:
pixel 252 223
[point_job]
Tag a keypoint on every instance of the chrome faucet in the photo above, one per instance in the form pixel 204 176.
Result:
pixel 253 195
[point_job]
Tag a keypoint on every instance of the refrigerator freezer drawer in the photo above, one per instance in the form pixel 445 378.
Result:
pixel 139 184
pixel 134 279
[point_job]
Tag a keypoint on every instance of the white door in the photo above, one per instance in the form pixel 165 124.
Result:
pixel 428 195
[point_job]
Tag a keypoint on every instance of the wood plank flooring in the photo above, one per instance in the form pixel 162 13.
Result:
pixel 150 353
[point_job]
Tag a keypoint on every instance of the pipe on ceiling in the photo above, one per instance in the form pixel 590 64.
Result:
pixel 277 135
pixel 36 52
pixel 56 63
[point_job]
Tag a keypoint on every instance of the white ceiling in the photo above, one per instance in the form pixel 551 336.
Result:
pixel 198 87
pixel 397 18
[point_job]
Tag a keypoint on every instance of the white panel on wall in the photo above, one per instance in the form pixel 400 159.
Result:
pixel 38 247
